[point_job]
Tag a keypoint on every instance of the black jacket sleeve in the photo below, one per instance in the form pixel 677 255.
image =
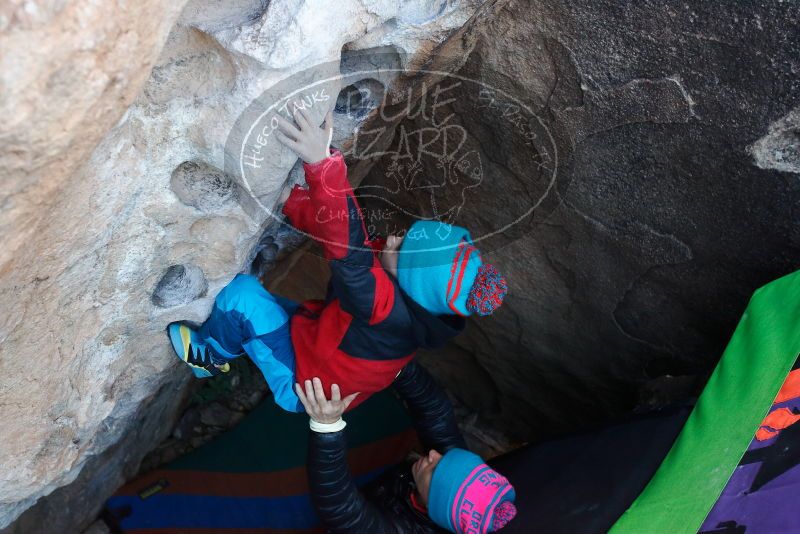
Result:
pixel 339 504
pixel 341 507
pixel 430 409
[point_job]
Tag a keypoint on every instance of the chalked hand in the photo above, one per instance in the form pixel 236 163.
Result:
pixel 317 406
pixel 308 141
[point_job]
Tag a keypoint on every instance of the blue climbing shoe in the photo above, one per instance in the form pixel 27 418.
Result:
pixel 197 354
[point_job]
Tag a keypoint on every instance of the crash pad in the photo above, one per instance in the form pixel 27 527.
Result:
pixel 729 412
pixel 252 478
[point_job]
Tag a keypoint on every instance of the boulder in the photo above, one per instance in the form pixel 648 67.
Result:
pixel 119 215
pixel 635 178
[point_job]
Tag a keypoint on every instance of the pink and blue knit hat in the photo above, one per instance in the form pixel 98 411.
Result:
pixel 439 267
pixel 469 497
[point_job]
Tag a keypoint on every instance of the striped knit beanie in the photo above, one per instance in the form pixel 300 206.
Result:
pixel 469 497
pixel 439 267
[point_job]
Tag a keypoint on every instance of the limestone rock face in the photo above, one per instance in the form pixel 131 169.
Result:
pixel 118 218
pixel 638 180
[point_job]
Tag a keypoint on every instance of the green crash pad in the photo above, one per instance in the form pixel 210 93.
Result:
pixel 718 432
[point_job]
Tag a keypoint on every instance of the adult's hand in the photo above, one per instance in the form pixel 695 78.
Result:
pixel 318 407
pixel 307 140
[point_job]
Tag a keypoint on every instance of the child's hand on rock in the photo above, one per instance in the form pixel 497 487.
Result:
pixel 310 142
pixel 318 407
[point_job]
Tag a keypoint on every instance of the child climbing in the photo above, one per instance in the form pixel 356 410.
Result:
pixel 382 305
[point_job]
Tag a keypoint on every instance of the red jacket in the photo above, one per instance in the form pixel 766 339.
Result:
pixel 367 329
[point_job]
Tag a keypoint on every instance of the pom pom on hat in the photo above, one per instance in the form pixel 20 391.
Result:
pixel 488 290
pixel 504 513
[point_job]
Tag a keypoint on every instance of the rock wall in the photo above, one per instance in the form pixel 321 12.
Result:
pixel 118 216
pixel 639 179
